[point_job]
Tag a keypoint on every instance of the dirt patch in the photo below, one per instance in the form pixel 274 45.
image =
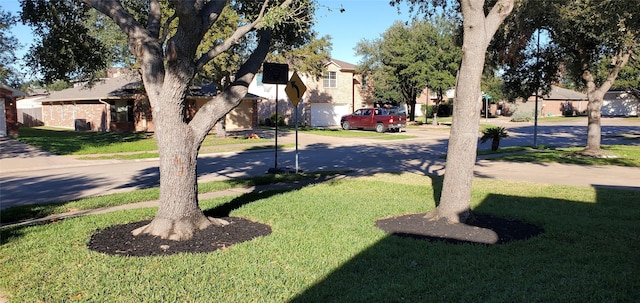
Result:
pixel 118 240
pixel 483 229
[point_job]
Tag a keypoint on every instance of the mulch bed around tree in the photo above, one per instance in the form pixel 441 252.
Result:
pixel 483 229
pixel 118 240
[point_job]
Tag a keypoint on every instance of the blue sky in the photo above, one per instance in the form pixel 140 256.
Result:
pixel 361 19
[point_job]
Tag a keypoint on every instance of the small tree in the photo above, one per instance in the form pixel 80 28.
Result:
pixel 494 134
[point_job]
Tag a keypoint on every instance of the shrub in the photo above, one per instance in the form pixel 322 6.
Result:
pixel 445 109
pixel 494 134
pixel 272 120
pixel 520 116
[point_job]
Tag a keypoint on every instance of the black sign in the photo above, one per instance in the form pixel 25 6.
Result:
pixel 275 73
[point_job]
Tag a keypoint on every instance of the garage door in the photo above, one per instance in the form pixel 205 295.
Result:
pixel 324 114
pixel 619 108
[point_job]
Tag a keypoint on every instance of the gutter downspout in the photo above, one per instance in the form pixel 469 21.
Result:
pixel 106 116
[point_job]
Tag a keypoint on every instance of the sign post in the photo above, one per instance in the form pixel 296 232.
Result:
pixel 275 73
pixel 295 90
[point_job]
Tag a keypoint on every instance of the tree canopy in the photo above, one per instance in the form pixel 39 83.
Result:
pixel 8 44
pixel 408 58
pixel 590 44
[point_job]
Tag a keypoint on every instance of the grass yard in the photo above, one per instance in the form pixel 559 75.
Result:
pixel 340 133
pixel 628 155
pixel 325 248
pixel 122 146
pixel 26 212
pixel 131 146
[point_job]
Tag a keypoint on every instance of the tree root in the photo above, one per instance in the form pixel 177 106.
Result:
pixel 593 153
pixel 177 230
pixel 435 215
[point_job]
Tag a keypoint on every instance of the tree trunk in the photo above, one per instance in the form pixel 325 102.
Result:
pixel 179 214
pixel 455 201
pixel 495 144
pixel 436 108
pixel 594 124
pixel 596 95
pixel 412 109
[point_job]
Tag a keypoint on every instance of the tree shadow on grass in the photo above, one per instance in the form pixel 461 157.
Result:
pixel 586 248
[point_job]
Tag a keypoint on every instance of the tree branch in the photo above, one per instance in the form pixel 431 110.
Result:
pixel 141 42
pixel 239 33
pixel 496 16
pixel 155 15
pixel 114 10
pixel 213 110
pixel 620 60
pixel 211 12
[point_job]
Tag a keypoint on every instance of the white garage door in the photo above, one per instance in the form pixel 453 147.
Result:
pixel 324 114
pixel 619 108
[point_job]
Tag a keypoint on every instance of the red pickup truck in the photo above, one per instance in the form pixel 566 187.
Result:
pixel 380 119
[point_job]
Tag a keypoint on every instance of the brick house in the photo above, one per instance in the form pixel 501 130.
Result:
pixel 119 104
pixel 9 117
pixel 339 92
pixel 559 100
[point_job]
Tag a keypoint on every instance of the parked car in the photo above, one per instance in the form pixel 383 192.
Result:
pixel 379 119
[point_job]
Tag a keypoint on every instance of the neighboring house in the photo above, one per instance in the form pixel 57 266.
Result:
pixel 339 92
pixel 620 103
pixel 9 117
pixel 561 101
pixel 119 104
pixel 106 105
pixel 30 109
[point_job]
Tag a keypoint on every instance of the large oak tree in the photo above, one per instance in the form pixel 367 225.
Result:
pixel 590 44
pixel 164 36
pixel 409 57
pixel 480 21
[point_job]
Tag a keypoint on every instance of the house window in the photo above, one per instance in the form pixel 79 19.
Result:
pixel 122 111
pixel 330 80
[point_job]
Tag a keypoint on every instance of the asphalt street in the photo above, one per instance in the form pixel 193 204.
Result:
pixel 33 176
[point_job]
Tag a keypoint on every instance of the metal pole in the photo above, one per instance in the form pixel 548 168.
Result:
pixel 296 121
pixel 535 119
pixel 486 109
pixel 275 166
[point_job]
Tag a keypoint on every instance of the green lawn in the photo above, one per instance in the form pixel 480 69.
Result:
pixel 25 212
pixel 325 248
pixel 340 133
pixel 127 145
pixel 628 155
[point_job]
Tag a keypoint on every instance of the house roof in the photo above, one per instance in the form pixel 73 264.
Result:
pixel 344 66
pixel 117 88
pixel 109 88
pixel 14 92
pixel 559 93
